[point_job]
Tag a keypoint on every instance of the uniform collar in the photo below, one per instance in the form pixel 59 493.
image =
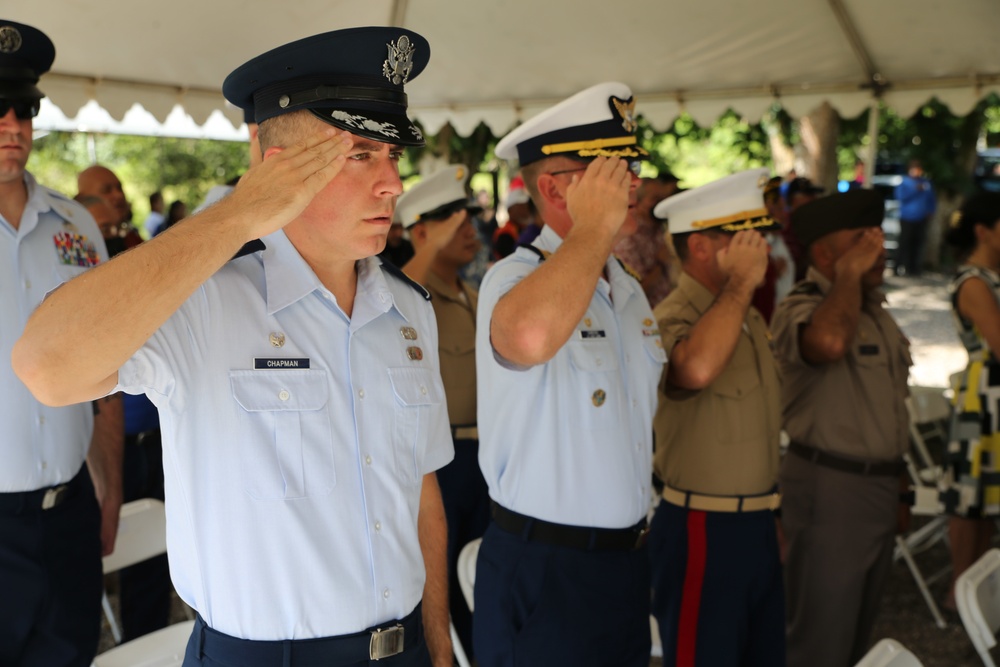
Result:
pixel 697 294
pixel 874 296
pixel 289 279
pixel 547 240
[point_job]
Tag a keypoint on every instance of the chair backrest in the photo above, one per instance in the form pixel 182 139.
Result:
pixel 163 648
pixel 142 534
pixel 977 594
pixel 889 653
pixel 928 404
pixel 467 570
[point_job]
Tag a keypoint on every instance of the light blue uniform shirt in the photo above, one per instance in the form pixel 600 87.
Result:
pixel 295 441
pixel 570 441
pixel 55 241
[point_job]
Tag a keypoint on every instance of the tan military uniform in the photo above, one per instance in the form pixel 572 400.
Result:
pixel 839 520
pixel 722 440
pixel 456 319
pixel 716 569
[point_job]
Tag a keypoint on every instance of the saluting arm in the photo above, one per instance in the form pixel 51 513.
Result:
pixel 828 335
pixel 69 354
pixel 536 318
pixel 696 361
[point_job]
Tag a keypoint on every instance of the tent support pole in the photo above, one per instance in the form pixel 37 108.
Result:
pixel 872 152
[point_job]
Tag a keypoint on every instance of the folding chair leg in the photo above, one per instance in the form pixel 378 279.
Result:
pixel 457 648
pixel 115 631
pixel 921 584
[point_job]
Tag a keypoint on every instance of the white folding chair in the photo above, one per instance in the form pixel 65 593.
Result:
pixel 930 413
pixel 163 648
pixel 467 570
pixel 889 653
pixel 977 594
pixel 142 534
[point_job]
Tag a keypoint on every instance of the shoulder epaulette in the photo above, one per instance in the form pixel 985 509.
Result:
pixel 398 272
pixel 542 255
pixel 249 248
pixel 629 270
pixel 805 288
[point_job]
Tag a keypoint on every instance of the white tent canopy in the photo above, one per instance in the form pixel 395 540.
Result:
pixel 501 61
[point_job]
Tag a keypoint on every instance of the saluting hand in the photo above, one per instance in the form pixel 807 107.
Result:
pixel 275 192
pixel 599 199
pixel 863 255
pixel 440 235
pixel 744 260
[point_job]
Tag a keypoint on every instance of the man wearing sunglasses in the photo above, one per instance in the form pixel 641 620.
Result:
pixel 52 529
pixel 567 360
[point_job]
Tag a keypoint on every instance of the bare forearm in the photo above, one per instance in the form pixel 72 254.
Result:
pixel 104 458
pixel 70 353
pixel 433 532
pixel 536 318
pixel 697 361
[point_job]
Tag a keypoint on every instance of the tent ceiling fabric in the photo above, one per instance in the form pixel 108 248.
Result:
pixel 502 62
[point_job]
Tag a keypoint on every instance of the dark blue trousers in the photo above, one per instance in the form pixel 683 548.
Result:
pixel 718 594
pixel 144 587
pixel 208 648
pixel 51 580
pixel 467 509
pixel 538 604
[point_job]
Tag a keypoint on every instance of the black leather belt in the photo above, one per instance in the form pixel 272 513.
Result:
pixel 374 644
pixel 575 537
pixel 41 499
pixel 828 460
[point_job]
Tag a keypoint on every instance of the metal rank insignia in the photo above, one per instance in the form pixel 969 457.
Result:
pixel 588 322
pixel 276 338
pixel 647 322
pixel 598 398
pixel 408 333
pixel 414 353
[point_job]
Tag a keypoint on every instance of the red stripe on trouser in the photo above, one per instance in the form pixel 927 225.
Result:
pixel 694 577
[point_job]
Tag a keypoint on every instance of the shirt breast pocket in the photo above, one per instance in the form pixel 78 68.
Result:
pixel 597 385
pixel 418 392
pixel 285 439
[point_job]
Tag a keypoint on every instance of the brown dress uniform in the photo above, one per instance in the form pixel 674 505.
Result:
pixel 463 489
pixel 717 584
pixel 840 480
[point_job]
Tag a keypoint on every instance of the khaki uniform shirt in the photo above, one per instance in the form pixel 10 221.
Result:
pixel 722 440
pixel 854 407
pixel 456 320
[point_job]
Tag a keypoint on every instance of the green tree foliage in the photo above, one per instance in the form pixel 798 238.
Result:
pixel 183 169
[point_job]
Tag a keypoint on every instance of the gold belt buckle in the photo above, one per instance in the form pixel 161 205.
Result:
pixel 53 497
pixel 386 642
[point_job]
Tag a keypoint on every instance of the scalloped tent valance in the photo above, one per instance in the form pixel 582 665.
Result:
pixel 501 62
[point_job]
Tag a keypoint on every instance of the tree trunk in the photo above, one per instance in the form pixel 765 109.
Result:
pixel 819 131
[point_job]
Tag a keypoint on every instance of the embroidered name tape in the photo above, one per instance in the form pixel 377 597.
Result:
pixel 592 333
pixel 267 363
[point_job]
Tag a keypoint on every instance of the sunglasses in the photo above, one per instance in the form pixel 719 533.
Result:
pixel 23 109
pixel 635 166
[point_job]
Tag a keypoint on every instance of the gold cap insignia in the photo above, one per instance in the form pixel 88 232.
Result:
pixel 626 110
pixel 599 397
pixel 459 174
pixel 414 353
pixel 277 339
pixel 10 39
pixel 763 181
pixel 408 333
pixel 399 64
pixel 955 220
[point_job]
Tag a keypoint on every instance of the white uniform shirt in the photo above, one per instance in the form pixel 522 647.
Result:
pixel 570 441
pixel 295 443
pixel 55 241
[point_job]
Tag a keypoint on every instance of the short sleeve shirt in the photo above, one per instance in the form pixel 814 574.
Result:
pixel 456 319
pixel 853 407
pixel 295 443
pixel 569 441
pixel 55 241
pixel 724 439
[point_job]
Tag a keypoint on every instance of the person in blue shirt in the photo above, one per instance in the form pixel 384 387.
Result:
pixel 298 386
pixel 917 204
